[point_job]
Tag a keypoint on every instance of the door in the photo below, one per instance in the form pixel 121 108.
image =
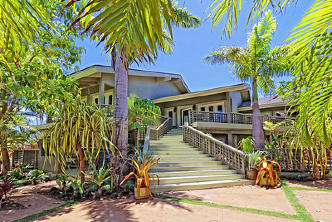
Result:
pixel 171 115
pixel 185 116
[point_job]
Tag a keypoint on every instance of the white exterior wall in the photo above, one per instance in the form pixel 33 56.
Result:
pixel 151 88
pixel 236 100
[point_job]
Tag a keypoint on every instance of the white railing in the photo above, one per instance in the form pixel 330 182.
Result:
pixel 229 155
pixel 235 118
pixel 162 129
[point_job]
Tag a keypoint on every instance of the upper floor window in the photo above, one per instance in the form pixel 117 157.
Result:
pixel 210 108
pixel 219 108
pixel 203 109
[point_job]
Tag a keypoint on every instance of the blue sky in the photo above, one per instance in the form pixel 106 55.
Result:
pixel 191 45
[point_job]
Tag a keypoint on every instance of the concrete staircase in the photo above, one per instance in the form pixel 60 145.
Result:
pixel 183 167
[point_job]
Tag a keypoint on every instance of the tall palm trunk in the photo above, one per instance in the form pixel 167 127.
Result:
pixel 5 160
pixel 120 128
pixel 257 123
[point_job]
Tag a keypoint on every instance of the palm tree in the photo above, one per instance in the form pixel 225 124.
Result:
pixel 21 21
pixel 255 63
pixel 310 48
pixel 132 31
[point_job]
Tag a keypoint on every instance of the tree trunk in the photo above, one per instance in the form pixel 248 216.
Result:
pixel 5 160
pixel 120 134
pixel 120 126
pixel 257 123
pixel 82 162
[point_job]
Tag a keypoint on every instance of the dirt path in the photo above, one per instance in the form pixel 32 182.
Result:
pixel 317 203
pixel 32 201
pixel 151 211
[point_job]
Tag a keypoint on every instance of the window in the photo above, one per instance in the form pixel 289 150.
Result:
pixel 170 114
pixel 110 99
pixel 203 109
pixel 96 100
pixel 219 108
pixel 210 108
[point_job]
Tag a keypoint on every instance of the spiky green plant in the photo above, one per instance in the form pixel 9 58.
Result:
pixel 80 129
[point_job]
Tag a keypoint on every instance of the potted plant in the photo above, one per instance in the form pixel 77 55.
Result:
pixel 252 158
pixel 142 163
pixel 267 175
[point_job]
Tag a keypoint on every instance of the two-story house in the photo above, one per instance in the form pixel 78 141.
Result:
pixel 224 112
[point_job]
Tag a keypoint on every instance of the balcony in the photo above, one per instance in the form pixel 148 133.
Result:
pixel 228 121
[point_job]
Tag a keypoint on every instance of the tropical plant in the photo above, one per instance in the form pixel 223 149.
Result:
pixel 142 163
pixel 79 125
pixel 36 176
pixel 22 166
pixel 310 90
pixel 62 180
pixel 267 175
pixel 15 174
pixel 36 48
pixel 100 176
pixel 142 113
pixel 132 31
pixel 5 186
pixel 21 21
pixel 316 154
pixel 258 64
pixel 254 159
pixel 247 145
pixel 77 187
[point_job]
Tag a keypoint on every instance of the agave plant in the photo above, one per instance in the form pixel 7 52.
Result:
pixel 267 174
pixel 142 164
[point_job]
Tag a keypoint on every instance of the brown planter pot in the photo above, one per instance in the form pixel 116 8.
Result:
pixel 143 193
pixel 252 174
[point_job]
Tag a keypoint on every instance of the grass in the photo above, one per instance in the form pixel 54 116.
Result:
pixel 314 189
pixel 300 209
pixel 45 212
pixel 250 210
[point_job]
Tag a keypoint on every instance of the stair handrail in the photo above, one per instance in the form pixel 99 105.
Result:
pixel 233 157
pixel 163 128
pixel 147 139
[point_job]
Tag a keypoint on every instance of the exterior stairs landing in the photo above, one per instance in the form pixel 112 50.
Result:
pixel 183 167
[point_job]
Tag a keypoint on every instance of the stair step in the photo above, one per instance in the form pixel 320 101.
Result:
pixel 190 179
pixel 179 155
pixel 193 173
pixel 173 149
pixel 177 152
pixel 157 168
pixel 188 163
pixel 185 158
pixel 200 185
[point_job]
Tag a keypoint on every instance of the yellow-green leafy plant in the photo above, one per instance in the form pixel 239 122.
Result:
pixel 80 130
pixel 267 175
pixel 142 163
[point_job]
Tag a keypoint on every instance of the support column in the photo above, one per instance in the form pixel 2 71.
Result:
pixel 101 91
pixel 230 139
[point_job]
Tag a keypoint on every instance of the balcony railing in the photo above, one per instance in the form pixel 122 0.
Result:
pixel 235 118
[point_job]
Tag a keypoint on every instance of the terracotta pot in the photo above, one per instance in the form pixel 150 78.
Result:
pixel 143 193
pixel 252 174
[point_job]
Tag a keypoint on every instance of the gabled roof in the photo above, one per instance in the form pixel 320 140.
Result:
pixel 265 102
pixel 207 92
pixel 95 69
